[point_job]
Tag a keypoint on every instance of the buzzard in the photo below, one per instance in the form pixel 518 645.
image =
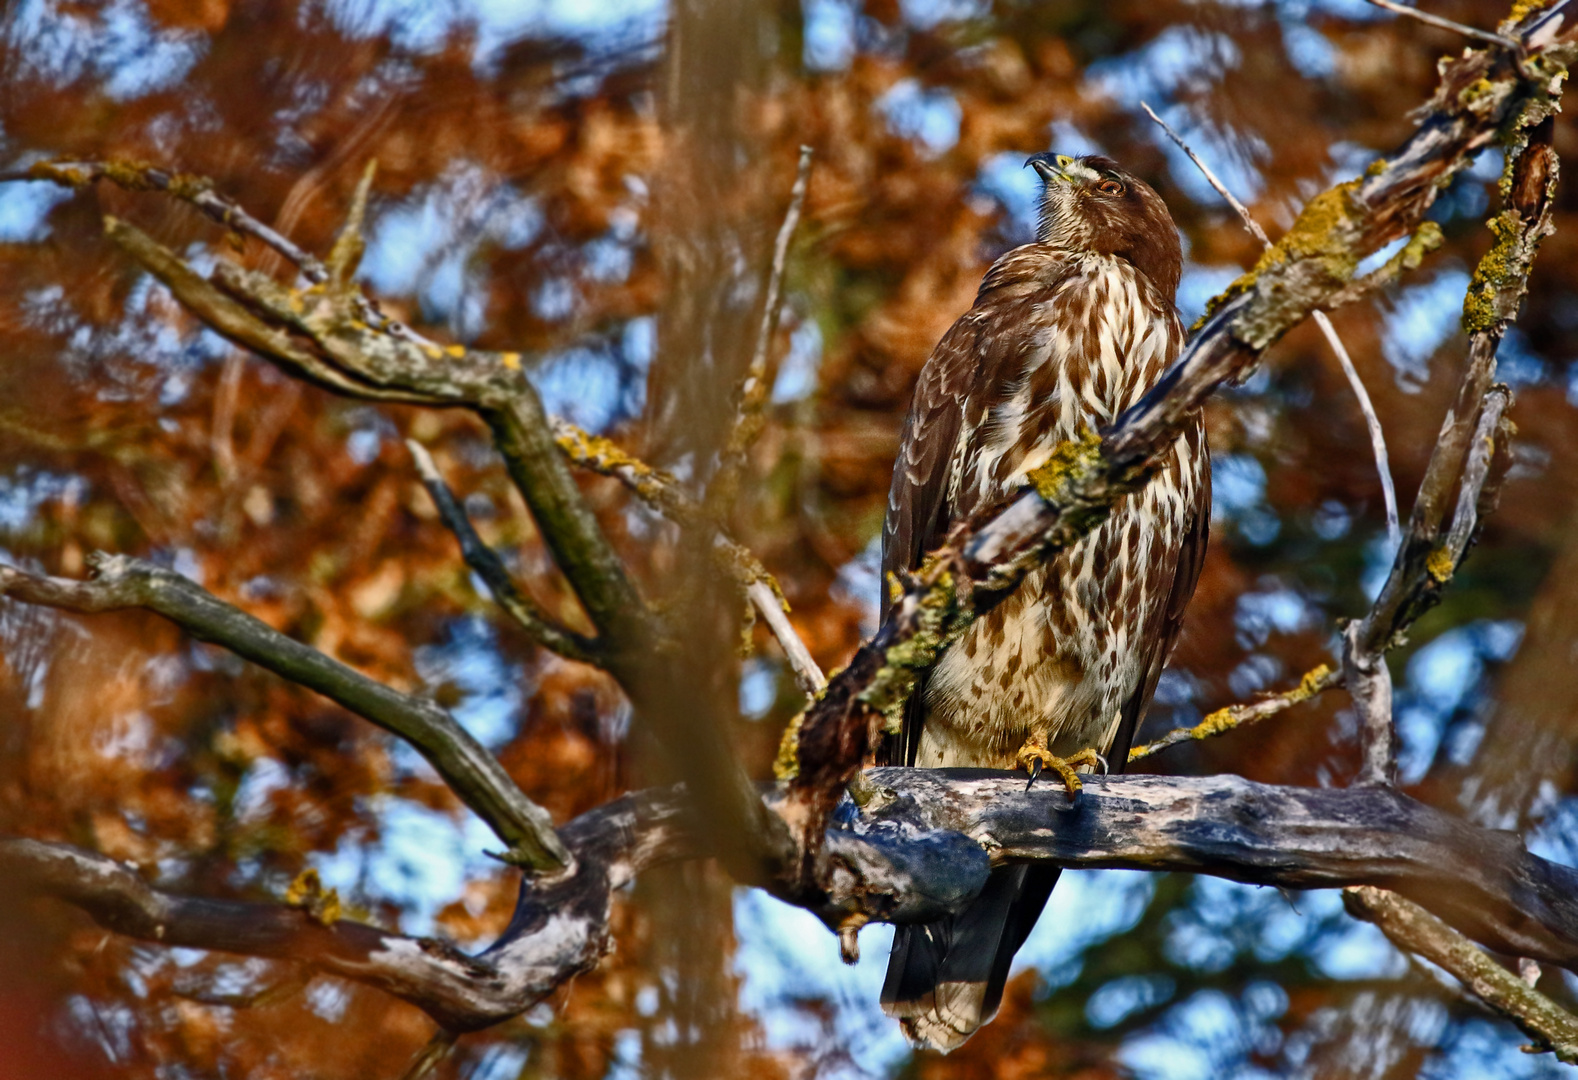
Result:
pixel 1065 334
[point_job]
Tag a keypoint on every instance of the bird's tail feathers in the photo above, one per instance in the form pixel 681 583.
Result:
pixel 945 978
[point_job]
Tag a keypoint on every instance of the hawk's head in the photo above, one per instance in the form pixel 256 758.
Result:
pixel 1091 204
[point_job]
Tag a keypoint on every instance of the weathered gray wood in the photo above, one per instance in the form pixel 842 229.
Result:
pixel 920 846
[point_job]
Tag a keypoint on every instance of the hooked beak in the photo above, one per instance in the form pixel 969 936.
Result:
pixel 1054 170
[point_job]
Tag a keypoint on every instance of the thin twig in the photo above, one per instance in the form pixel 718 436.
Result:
pixel 659 490
pixel 491 569
pixel 757 384
pixel 807 674
pixel 196 190
pixel 1413 929
pixel 1383 466
pixel 1221 721
pixel 1441 23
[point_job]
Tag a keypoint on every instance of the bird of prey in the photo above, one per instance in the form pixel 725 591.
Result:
pixel 1065 333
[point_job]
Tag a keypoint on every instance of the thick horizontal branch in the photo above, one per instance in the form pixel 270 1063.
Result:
pixel 921 845
pixel 1483 882
pixel 465 765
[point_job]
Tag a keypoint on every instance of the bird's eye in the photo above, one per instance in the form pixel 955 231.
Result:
pixel 1110 187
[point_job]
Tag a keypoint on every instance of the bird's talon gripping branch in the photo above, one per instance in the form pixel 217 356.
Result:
pixel 1034 756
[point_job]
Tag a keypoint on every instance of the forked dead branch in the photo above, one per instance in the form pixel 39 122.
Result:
pixel 908 845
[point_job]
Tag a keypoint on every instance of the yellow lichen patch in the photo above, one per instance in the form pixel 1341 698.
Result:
pixel 1522 9
pixel 1313 682
pixel 1439 564
pixel 1073 459
pixel 511 360
pixel 1319 233
pixel 1214 724
pixel 1475 90
pixel 307 884
pixel 940 617
pixel 307 892
pixel 1426 239
pixel 328 909
pixel 131 175
pixel 786 765
pixel 1323 234
pixel 588 449
pixel 432 352
pixel 188 186
pixel 1497 270
pixel 1377 167
pixel 60 174
pixel 456 351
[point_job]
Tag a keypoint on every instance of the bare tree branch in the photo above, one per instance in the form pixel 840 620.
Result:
pixel 1369 680
pixel 1441 23
pixel 770 606
pixel 1497 288
pixel 663 493
pixel 1383 465
pixel 1474 493
pixel 1415 930
pixel 196 190
pixel 319 333
pixel 757 385
pixel 1420 568
pixel 559 928
pixel 491 569
pixel 465 765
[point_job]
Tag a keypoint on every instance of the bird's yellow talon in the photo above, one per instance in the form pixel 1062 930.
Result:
pixel 1034 757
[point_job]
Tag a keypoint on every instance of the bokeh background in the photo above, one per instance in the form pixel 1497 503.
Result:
pixel 596 183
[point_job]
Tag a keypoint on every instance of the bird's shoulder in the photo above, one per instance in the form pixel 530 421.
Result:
pixel 1024 271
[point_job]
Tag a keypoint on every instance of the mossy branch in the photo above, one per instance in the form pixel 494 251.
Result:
pixel 1309 269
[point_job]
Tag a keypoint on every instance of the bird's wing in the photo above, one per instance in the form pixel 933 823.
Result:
pixel 1191 557
pixel 970 372
pixel 970 368
pixel 918 512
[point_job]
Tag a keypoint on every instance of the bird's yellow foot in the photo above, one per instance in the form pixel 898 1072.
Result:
pixel 1034 757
